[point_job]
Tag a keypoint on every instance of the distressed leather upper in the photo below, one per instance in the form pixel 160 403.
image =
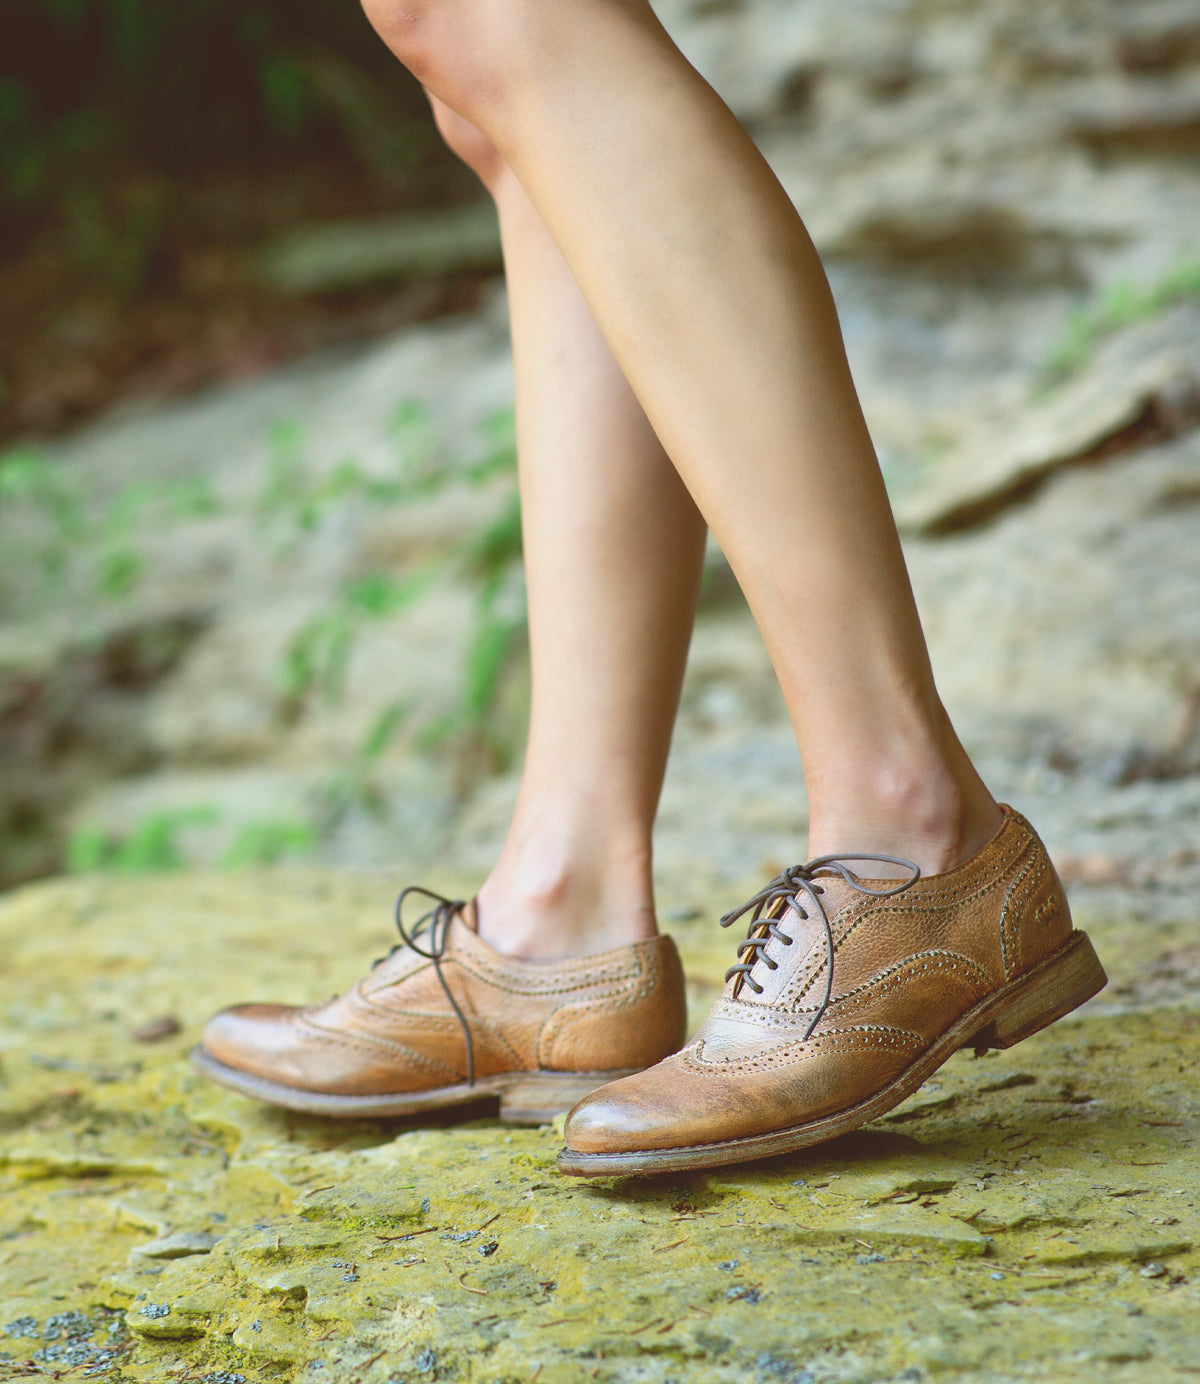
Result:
pixel 904 969
pixel 395 1031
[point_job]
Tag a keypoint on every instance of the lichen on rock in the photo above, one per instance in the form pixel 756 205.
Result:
pixel 1034 1215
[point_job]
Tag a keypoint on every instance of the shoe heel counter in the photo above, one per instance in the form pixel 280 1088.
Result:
pixel 1035 920
pixel 673 1028
pixel 634 1027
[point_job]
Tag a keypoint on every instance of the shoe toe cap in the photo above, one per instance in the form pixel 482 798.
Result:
pixel 249 1037
pixel 645 1111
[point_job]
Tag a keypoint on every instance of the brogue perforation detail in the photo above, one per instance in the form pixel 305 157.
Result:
pixel 370 1045
pixel 896 977
pixel 859 1038
pixel 502 978
pixel 1011 933
pixel 556 1022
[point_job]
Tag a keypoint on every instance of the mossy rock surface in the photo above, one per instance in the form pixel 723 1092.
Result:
pixel 1031 1215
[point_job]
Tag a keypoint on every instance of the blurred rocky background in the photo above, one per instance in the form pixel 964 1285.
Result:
pixel 260 573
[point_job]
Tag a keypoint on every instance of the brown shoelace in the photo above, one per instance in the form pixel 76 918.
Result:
pixel 786 888
pixel 434 926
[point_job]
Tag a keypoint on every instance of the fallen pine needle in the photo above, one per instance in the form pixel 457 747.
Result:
pixel 410 1234
pixel 645 1326
pixel 458 1278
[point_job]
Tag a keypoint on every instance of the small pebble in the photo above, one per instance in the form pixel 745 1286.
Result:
pixel 156 1309
pixel 870 1259
pixel 157 1029
pixel 489 1249
pixel 996 1277
pixel 178 1245
pixel 1154 1271
pixel 728 1265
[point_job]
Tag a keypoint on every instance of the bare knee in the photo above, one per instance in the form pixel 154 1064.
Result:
pixel 470 144
pixel 437 40
pixel 471 54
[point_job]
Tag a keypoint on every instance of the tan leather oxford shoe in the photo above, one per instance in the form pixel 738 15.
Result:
pixel 847 994
pixel 445 1020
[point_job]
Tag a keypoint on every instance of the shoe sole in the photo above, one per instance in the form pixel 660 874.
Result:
pixel 1022 1007
pixel 526 1098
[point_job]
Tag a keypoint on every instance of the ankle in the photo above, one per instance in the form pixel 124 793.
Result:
pixel 934 819
pixel 544 905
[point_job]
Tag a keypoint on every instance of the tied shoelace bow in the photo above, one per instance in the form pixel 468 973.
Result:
pixel 786 888
pixel 434 926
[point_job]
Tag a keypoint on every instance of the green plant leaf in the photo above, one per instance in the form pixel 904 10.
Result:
pixel 119 573
pixel 381 731
pixel 88 849
pixel 269 841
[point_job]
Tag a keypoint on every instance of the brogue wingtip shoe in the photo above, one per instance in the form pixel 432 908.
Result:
pixel 445 1020
pixel 847 994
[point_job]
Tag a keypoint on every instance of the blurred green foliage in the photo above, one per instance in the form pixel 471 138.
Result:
pixel 153 845
pixel 88 86
pixel 487 560
pixel 59 522
pixel 1119 305
pixel 150 847
pixel 269 841
pixel 67 537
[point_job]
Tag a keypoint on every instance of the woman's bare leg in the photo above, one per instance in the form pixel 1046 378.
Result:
pixel 707 288
pixel 613 546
